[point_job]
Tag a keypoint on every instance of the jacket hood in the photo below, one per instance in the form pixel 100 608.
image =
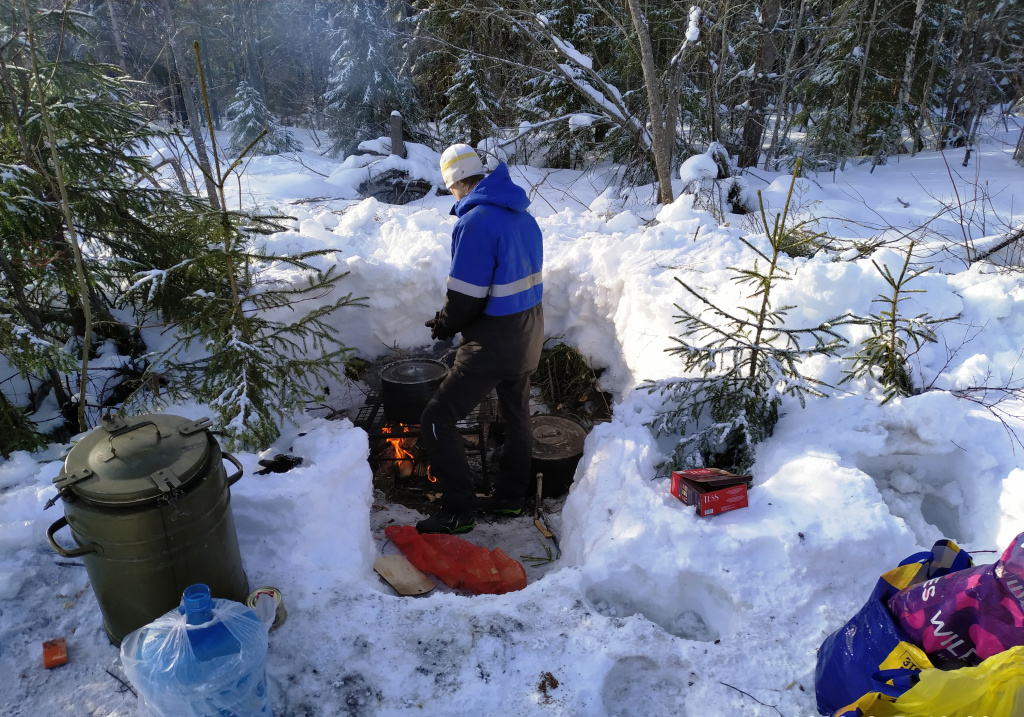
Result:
pixel 496 188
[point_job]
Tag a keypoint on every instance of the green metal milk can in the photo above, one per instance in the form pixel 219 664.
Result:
pixel 148 502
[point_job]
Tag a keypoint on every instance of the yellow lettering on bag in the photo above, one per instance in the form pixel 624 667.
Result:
pixel 906 656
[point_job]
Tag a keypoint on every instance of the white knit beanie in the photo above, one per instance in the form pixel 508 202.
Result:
pixel 458 162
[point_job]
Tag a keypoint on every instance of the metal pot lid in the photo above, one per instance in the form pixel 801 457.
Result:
pixel 413 371
pixel 135 459
pixel 556 437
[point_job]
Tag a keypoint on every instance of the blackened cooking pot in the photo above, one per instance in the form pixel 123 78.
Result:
pixel 407 385
pixel 557 449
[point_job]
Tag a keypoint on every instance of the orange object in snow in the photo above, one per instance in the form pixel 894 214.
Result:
pixel 55 653
pixel 459 563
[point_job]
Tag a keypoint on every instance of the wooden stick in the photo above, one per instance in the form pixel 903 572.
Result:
pixel 536 504
pixel 536 508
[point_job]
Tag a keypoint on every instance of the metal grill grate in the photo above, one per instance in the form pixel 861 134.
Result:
pixel 370 417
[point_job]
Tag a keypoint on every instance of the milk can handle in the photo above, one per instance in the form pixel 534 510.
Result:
pixel 127 429
pixel 234 477
pixel 74 553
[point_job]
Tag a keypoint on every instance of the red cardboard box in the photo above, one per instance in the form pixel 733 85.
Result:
pixel 710 490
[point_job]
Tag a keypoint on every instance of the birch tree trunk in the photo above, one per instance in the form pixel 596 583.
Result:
pixel 115 30
pixel 851 125
pixel 716 75
pixel 908 64
pixel 904 112
pixel 783 98
pixel 987 40
pixel 182 65
pixel 926 110
pixel 662 137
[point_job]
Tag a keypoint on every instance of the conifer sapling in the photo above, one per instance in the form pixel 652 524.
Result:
pixel 742 362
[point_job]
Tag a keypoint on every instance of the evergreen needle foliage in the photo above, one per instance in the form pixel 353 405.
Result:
pixel 17 432
pixel 244 340
pixel 886 352
pixel 258 368
pixel 121 216
pixel 367 82
pixel 746 361
pixel 568 383
pixel 251 118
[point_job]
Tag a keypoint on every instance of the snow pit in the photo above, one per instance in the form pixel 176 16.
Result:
pixel 688 607
pixel 844 489
pixel 638 685
pixel 922 490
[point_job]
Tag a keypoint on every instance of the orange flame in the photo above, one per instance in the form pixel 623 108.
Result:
pixel 404 456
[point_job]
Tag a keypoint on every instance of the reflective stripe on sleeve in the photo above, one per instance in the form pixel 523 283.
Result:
pixel 516 286
pixel 464 287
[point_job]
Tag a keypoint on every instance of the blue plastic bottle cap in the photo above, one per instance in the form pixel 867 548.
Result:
pixel 198 604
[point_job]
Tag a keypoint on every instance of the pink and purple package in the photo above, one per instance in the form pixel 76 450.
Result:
pixel 969 614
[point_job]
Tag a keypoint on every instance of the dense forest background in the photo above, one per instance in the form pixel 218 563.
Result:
pixel 767 79
pixel 88 91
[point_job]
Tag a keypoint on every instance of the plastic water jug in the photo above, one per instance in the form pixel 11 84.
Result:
pixel 206 658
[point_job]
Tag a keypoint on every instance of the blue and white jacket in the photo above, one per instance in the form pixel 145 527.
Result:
pixel 495 284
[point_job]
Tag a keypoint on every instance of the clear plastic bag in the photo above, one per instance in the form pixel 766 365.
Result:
pixel 199 663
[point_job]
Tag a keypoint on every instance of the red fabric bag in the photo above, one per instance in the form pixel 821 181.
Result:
pixel 459 563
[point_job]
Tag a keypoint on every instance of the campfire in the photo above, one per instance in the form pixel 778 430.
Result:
pixel 401 467
pixel 401 445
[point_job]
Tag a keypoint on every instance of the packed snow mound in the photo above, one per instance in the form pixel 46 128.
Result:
pixel 420 162
pixel 697 168
pixel 650 608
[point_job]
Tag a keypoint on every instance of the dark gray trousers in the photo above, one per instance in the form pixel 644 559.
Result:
pixel 456 397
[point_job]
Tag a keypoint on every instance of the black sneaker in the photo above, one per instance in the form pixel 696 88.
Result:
pixel 444 521
pixel 496 505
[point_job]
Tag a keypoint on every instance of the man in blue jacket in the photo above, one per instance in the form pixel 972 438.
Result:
pixel 494 301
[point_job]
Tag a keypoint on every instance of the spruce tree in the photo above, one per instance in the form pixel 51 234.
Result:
pixel 150 256
pixel 255 368
pixel 746 360
pixel 471 104
pixel 886 353
pixel 368 80
pixel 550 96
pixel 120 217
pixel 250 118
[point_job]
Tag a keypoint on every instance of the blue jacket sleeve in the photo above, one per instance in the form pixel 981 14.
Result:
pixel 469 281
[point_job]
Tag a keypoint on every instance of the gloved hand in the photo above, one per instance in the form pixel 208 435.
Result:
pixel 432 325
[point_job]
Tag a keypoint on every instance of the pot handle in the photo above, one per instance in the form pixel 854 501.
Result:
pixel 63 552
pixel 234 477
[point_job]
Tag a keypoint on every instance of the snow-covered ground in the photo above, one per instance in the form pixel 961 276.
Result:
pixel 650 609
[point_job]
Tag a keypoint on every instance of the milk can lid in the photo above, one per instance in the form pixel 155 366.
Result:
pixel 132 460
pixel 556 437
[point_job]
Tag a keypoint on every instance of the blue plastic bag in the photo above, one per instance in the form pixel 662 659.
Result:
pixel 871 653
